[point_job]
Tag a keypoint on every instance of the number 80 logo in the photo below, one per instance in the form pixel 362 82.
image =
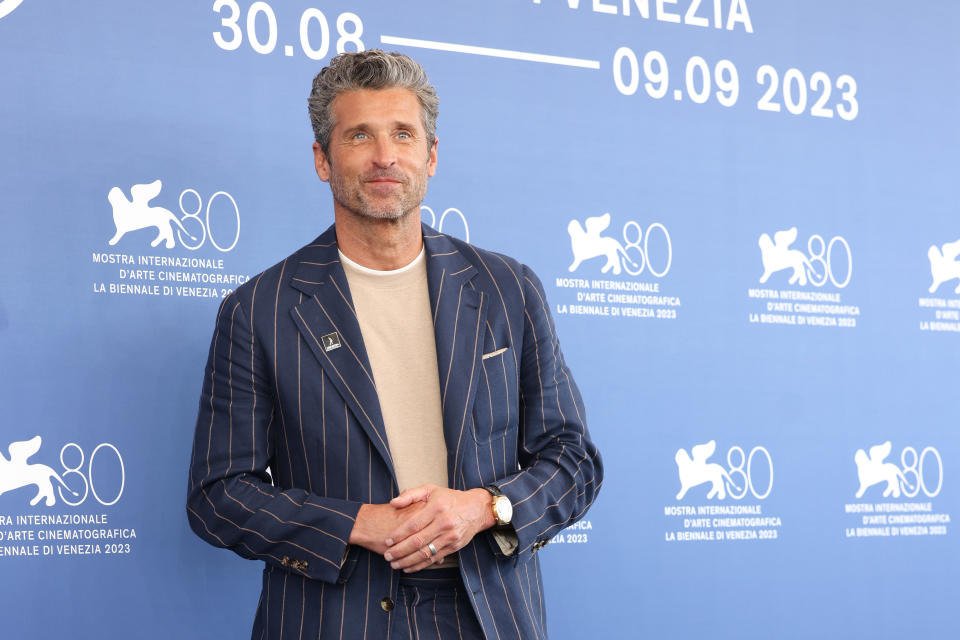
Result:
pixel 88 483
pixel 206 229
pixel 737 469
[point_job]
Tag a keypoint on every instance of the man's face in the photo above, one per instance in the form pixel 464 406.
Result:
pixel 379 160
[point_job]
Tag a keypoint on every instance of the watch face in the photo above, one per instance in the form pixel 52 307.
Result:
pixel 504 509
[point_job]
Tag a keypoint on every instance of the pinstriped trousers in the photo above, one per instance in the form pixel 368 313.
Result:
pixel 433 605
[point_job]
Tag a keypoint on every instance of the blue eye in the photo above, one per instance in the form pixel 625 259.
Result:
pixel 403 134
pixel 359 135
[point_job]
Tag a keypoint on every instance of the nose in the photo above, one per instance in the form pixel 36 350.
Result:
pixel 385 153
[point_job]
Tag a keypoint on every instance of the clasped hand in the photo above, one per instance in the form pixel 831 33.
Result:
pixel 403 529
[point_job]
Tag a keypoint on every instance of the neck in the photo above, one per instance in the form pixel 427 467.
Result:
pixel 377 243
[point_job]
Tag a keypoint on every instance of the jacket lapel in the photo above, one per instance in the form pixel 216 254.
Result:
pixel 459 314
pixel 329 326
pixel 327 318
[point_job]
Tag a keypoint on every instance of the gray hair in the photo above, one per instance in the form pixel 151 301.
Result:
pixel 372 69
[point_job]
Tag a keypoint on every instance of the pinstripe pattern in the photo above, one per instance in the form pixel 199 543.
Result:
pixel 430 609
pixel 274 399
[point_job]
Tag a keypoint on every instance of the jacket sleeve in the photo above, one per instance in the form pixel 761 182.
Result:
pixel 560 468
pixel 231 500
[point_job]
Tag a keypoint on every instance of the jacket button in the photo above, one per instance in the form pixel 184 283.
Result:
pixel 387 604
pixel 285 561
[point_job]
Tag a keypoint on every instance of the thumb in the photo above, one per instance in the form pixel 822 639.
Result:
pixel 408 497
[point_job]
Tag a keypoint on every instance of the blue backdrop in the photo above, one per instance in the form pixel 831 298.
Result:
pixel 744 213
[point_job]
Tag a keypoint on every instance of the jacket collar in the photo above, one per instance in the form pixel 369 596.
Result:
pixel 320 261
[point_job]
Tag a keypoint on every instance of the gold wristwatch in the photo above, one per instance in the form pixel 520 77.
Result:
pixel 502 507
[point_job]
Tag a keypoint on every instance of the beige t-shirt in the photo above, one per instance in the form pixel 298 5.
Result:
pixel 393 309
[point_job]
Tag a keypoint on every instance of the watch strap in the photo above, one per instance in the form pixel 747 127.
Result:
pixel 493 489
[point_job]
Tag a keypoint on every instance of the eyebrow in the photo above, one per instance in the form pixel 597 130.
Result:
pixel 364 126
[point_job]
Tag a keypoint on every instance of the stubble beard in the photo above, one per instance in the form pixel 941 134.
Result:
pixel 349 194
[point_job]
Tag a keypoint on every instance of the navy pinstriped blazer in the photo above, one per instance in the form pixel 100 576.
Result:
pixel 274 397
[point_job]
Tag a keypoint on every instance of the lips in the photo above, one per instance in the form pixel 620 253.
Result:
pixel 384 179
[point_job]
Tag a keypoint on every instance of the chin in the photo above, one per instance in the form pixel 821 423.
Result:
pixel 385 214
pixel 386 211
pixel 381 214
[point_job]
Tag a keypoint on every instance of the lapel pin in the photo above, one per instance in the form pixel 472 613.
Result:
pixel 330 341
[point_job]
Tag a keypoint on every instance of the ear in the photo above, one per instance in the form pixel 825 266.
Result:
pixel 432 158
pixel 321 163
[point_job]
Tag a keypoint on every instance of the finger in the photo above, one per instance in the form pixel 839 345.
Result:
pixel 423 563
pixel 445 545
pixel 411 526
pixel 441 523
pixel 415 561
pixel 414 548
pixel 419 567
pixel 408 497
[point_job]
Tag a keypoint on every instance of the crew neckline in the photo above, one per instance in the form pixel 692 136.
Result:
pixel 383 273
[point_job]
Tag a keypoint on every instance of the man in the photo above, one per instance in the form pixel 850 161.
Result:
pixel 387 420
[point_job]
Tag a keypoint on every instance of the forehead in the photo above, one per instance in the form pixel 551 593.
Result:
pixel 376 107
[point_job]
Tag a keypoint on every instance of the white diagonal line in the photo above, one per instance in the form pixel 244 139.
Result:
pixel 488 51
pixel 8 6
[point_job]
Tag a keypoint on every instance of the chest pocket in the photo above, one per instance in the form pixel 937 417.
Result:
pixel 495 410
